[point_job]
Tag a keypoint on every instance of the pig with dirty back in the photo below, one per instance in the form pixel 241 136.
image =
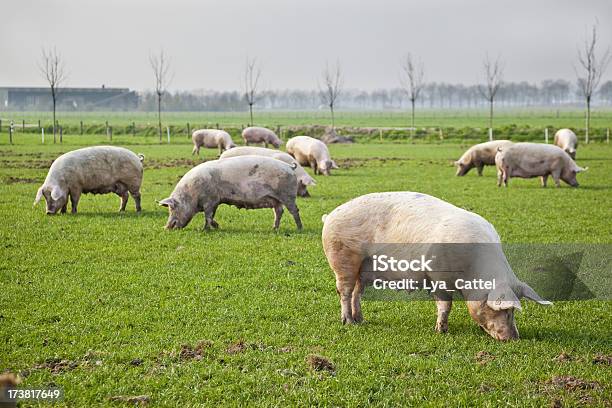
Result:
pixel 354 228
pixel 249 182
pixel 312 152
pixel 96 170
pixel 303 178
pixel 255 134
pixel 567 140
pixel 211 138
pixel 479 156
pixel 528 160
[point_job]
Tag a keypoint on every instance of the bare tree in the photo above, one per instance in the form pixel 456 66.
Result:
pixel 411 79
pixel 331 88
pixel 252 73
pixel 53 69
pixel 593 69
pixel 161 70
pixel 494 72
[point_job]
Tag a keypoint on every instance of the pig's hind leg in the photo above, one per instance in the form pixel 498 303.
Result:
pixel 346 266
pixel 74 200
pixel 444 309
pixel 295 212
pixel 278 214
pixel 122 191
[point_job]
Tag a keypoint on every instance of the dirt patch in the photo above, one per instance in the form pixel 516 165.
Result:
pixel 602 359
pixel 563 358
pixel 25 164
pixel 57 365
pixel 158 164
pixel 237 347
pixel 349 163
pixel 571 383
pixel 21 180
pixel 316 362
pixel 188 352
pixel 138 399
pixel 484 357
pixel 286 349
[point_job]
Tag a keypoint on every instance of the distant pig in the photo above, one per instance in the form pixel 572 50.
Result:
pixel 256 134
pixel 528 160
pixel 211 138
pixel 351 230
pixel 245 182
pixel 303 178
pixel 311 152
pixel 567 140
pixel 479 155
pixel 97 170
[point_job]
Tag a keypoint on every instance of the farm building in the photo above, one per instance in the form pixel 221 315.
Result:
pixel 18 98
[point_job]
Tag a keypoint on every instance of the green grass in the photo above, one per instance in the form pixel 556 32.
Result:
pixel 457 118
pixel 110 288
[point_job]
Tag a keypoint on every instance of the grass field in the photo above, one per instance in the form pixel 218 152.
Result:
pixel 106 304
pixel 534 117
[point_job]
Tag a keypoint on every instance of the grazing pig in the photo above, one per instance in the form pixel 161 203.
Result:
pixel 528 160
pixel 311 152
pixel 211 138
pixel 97 170
pixel 567 140
pixel 406 217
pixel 303 178
pixel 478 156
pixel 256 134
pixel 245 182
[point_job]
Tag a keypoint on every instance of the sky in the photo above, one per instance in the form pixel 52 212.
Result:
pixel 208 41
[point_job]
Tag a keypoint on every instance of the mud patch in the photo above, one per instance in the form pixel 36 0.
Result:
pixel 158 164
pixel 602 359
pixel 25 164
pixel 57 365
pixel 237 347
pixel 571 383
pixel 484 357
pixel 350 163
pixel 137 400
pixel 563 358
pixel 319 363
pixel 21 180
pixel 188 352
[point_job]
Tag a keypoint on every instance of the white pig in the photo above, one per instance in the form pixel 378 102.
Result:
pixel 97 170
pixel 309 151
pixel 567 140
pixel 256 134
pixel 211 138
pixel 407 217
pixel 528 160
pixel 304 179
pixel 245 182
pixel 479 155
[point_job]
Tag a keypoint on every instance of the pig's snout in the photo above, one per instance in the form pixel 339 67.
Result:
pixel 171 224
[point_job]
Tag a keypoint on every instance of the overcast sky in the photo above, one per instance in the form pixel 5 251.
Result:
pixel 109 41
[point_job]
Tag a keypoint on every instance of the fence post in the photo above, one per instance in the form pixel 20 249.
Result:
pixel 110 132
pixel 188 130
pixel 81 128
pixel 61 134
pixel 106 124
pixel 168 133
pixel 133 129
pixel 440 133
pixel 546 135
pixel 380 136
pixel 42 135
pixel 11 133
pixel 608 136
pixel 490 134
pixel 23 125
pixel 107 131
pixel 39 124
pixel 217 126
pixel 0 125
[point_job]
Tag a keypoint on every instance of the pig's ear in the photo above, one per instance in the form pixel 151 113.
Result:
pixel 502 298
pixel 334 165
pixel 57 193
pixel 39 194
pixel 529 293
pixel 167 202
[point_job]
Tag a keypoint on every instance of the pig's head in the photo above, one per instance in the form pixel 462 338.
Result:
pixel 276 143
pixel 462 168
pixel 303 183
pixel 325 166
pixel 180 212
pixel 569 174
pixel 230 145
pixel 495 314
pixel 56 197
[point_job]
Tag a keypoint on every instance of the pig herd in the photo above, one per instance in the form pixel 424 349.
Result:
pixel 258 177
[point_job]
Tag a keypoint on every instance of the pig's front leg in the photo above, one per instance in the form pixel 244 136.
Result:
pixel 209 215
pixel 544 179
pixel 479 168
pixel 74 200
pixel 444 308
